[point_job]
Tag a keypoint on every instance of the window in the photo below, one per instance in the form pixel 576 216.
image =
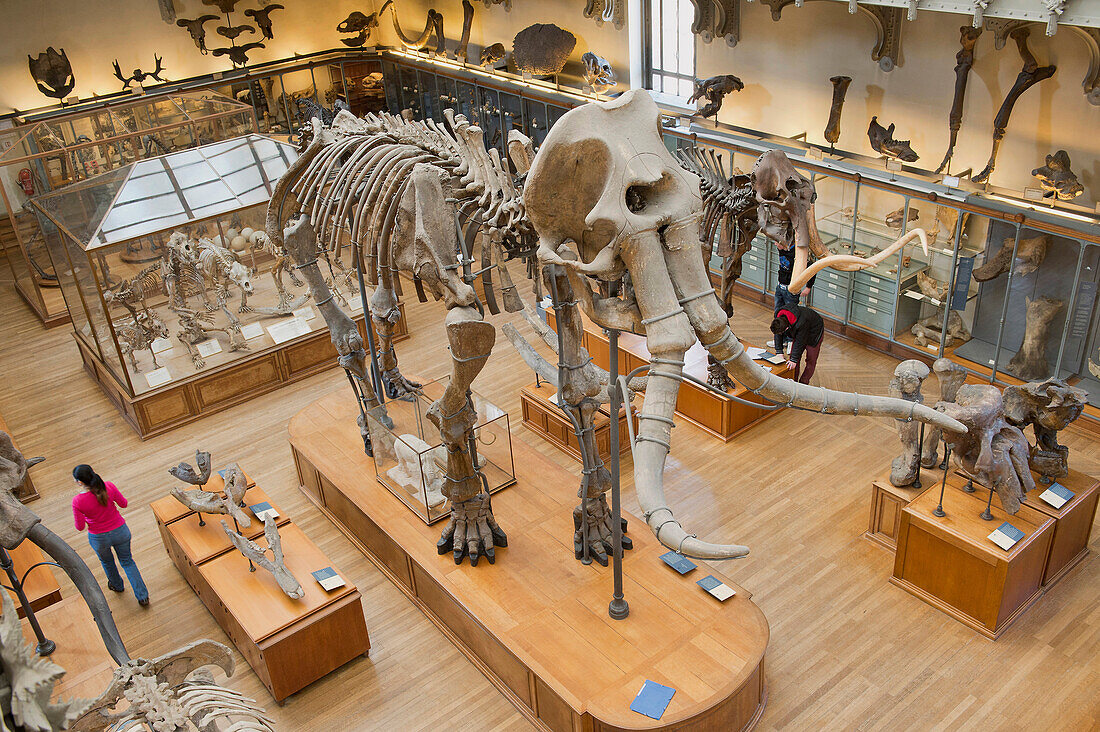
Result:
pixel 669 46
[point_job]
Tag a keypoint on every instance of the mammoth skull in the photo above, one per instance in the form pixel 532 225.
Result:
pixel 606 197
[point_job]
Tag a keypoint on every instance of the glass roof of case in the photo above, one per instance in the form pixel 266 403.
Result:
pixel 170 191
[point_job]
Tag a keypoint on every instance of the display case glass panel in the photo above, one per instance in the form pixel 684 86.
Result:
pixel 42 157
pixel 411 461
pixel 168 270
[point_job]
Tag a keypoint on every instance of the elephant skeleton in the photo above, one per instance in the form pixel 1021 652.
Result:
pixel 602 180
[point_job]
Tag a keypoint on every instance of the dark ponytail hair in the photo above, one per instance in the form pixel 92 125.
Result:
pixel 91 479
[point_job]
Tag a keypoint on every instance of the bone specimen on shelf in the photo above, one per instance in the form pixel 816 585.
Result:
pixel 882 141
pixel 840 88
pixel 1048 406
pixel 946 219
pixel 493 53
pixel 896 219
pixel 598 72
pixel 992 451
pixel 195 28
pixel 964 61
pixel 542 49
pixel 951 377
pixel 52 73
pixel 462 52
pixel 420 468
pixel 1030 75
pixel 1029 255
pixel 1056 178
pixel 906 384
pixel 932 287
pixel 714 91
pixel 1030 362
pixel 927 331
pixel 258 556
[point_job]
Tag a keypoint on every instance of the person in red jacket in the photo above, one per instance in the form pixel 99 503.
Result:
pixel 805 329
pixel 94 508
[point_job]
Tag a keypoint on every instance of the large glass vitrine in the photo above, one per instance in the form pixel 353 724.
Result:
pixel 45 156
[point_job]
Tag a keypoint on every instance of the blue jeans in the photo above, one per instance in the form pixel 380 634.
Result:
pixel 119 539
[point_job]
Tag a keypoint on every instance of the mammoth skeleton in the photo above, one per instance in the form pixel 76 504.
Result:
pixel 606 199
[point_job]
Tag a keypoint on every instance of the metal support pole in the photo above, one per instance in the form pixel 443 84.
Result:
pixel 920 449
pixel 951 283
pixel 1004 306
pixel 939 506
pixel 45 646
pixel 987 515
pixel 618 609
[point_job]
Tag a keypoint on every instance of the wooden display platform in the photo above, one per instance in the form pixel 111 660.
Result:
pixel 950 563
pixel 1072 522
pixel 715 413
pixel 887 501
pixel 535 622
pixel 547 420
pixel 40 585
pixel 289 643
pixel 219 387
pixel 26 492
pixel 80 650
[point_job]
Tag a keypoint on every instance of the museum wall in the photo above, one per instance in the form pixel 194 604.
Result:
pixel 785 65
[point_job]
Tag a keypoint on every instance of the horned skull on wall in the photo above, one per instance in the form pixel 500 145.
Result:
pixel 604 181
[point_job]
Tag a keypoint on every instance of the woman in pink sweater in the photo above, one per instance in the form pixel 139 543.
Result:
pixel 94 507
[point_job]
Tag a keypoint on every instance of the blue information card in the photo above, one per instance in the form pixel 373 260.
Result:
pixel 1006 535
pixel 652 700
pixel 678 561
pixel 1057 495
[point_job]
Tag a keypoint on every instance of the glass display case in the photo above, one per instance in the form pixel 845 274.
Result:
pixel 42 157
pixel 173 286
pixel 411 461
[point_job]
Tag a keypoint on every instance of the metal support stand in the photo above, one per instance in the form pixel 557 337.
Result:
pixel 938 511
pixel 618 609
pixel 987 515
pixel 202 522
pixel 45 646
pixel 237 528
pixel 969 487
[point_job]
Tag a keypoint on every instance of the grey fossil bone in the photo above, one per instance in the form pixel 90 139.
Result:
pixel 462 53
pixel 951 377
pixel 542 48
pixel 287 582
pixel 906 384
pixel 1030 75
pixel 598 72
pixel 1048 406
pixel 1030 362
pixel 204 501
pixel 492 53
pixel 840 88
pixel 714 91
pixel 1056 178
pixel 964 61
pixel 52 73
pixel 1029 255
pixel 882 141
pixel 897 219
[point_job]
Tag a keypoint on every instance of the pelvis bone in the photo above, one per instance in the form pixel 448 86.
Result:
pixel 604 181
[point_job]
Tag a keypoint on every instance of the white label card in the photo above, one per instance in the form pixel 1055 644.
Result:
pixel 1057 495
pixel 287 329
pixel 305 313
pixel 951 181
pixel 355 304
pixel 1033 194
pixel 208 348
pixel 160 345
pixel 252 330
pixel 893 165
pixel 158 377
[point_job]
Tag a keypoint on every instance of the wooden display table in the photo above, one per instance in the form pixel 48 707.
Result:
pixel 1072 522
pixel 289 643
pixel 715 413
pixel 80 650
pixel 195 394
pixel 26 491
pixel 40 585
pixel 548 421
pixel 887 501
pixel 535 622
pixel 951 564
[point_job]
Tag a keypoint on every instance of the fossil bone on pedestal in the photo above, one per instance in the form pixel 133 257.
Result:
pixel 951 377
pixel 714 91
pixel 992 451
pixel 1056 179
pixel 898 218
pixel 419 467
pixel 542 48
pixel 882 141
pixel 257 554
pixel 908 377
pixel 840 88
pixel 598 72
pixel 1029 255
pixel 1048 406
pixel 1030 362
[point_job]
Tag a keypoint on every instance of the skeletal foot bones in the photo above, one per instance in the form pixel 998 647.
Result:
pixel 472 530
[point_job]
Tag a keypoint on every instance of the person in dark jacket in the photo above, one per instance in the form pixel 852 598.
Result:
pixel 805 329
pixel 784 298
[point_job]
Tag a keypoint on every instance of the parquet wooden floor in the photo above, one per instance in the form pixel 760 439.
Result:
pixel 848 650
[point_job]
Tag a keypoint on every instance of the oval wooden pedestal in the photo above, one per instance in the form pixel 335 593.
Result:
pixel 535 622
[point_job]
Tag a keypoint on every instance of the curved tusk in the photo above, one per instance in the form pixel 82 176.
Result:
pixel 848 262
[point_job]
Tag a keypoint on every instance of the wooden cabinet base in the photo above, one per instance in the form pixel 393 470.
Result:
pixel 887 501
pixel 26 491
pixel 950 563
pixel 289 643
pixel 221 387
pixel 548 421
pixel 535 622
